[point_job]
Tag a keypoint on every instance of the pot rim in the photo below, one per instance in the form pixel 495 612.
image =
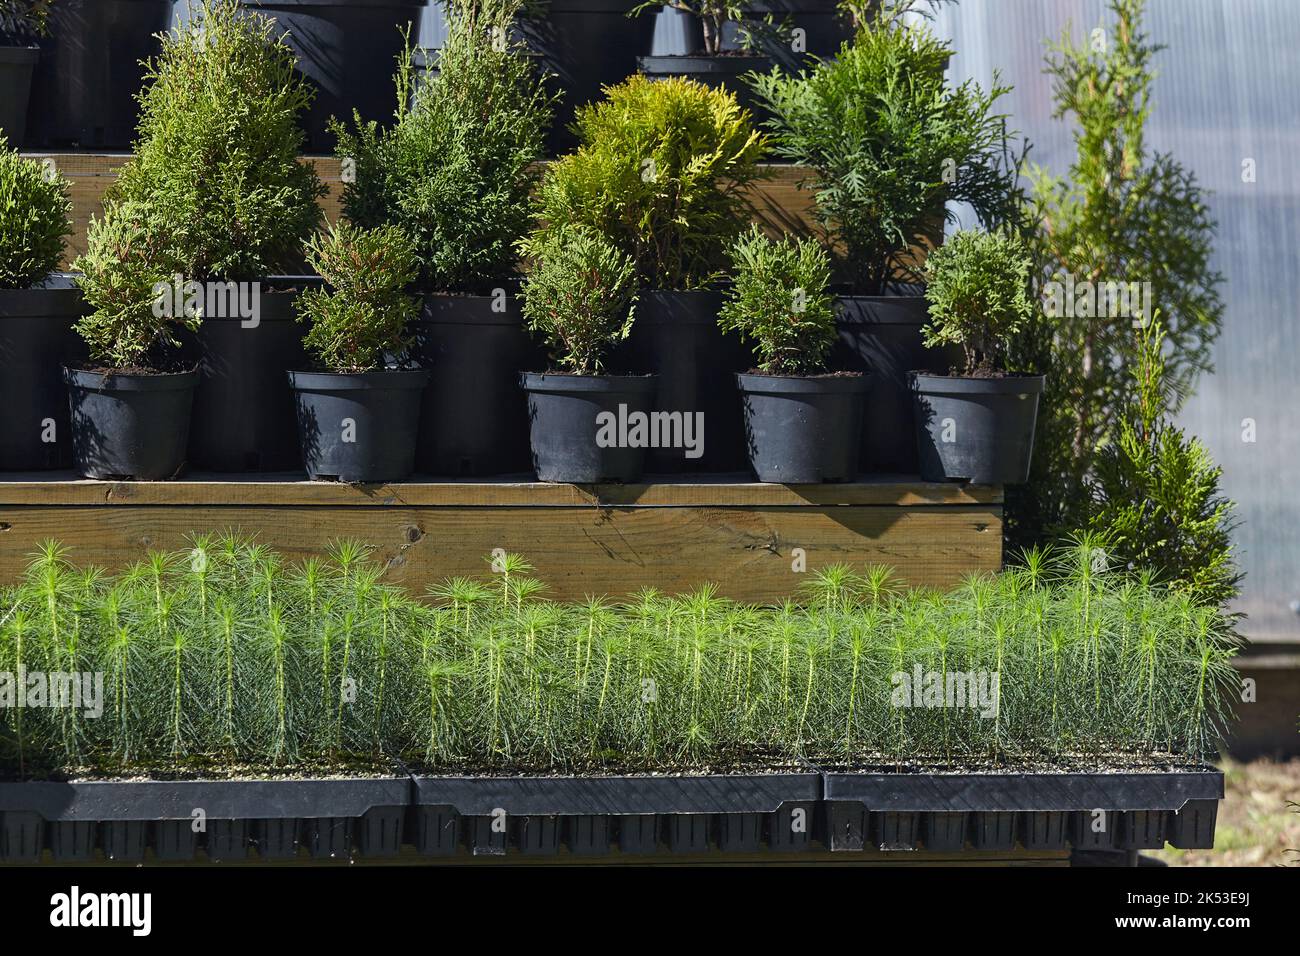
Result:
pixel 39 303
pixel 752 383
pixel 19 54
pixel 617 7
pixel 868 310
pixel 709 63
pixel 374 379
pixel 261 4
pixel 433 312
pixel 559 382
pixel 926 383
pixel 114 381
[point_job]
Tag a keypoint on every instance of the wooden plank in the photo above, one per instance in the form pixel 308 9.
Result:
pixel 90 174
pixel 747 551
pixel 290 490
pixel 779 201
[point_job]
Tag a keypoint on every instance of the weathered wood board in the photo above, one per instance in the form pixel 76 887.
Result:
pixel 778 201
pixel 614 540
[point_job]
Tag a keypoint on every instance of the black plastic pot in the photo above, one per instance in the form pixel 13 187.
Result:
pixel 881 335
pixel 822 25
pixel 244 417
pixel 638 833
pixel 588 835
pixel 895 831
pixel 565 418
pixel 586 44
pixel 1137 807
pixel 360 426
pixel 994 831
pixel 979 430
pixel 722 72
pixel 676 338
pixel 474 421
pixel 803 430
pixel 83 93
pixel 347 50
pixel 36 340
pixel 124 817
pixel 944 832
pixel 17 66
pixel 1046 831
pixel 130 426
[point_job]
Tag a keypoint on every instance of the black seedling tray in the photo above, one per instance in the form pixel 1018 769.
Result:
pixel 123 817
pixel 537 815
pixel 490 816
pixel 943 812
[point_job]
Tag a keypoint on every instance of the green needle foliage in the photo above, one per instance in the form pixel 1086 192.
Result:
pixel 1155 496
pixel 892 145
pixel 661 171
pixel 227 656
pixel 977 284
pixel 34 211
pixel 1123 214
pixel 580 295
pixel 216 165
pixel 363 312
pixel 779 302
pixel 129 326
pixel 458 168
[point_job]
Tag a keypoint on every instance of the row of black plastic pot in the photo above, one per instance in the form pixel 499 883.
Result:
pixel 76 86
pixel 469 417
pixel 496 816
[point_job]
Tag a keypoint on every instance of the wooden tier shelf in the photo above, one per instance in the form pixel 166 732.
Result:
pixel 602 539
pixel 777 201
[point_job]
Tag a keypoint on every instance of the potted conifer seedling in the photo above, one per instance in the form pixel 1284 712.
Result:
pixel 456 172
pixel 37 312
pixel 131 404
pixel 977 424
pixel 229 207
pixel 802 423
pixel 662 172
pixel 580 296
pixel 358 415
pixel 892 147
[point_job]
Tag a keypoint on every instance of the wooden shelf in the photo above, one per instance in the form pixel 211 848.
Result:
pixel 777 201
pixel 600 539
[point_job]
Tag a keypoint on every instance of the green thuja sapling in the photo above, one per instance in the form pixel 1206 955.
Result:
pixel 124 265
pixel 34 211
pixel 892 146
pixel 361 316
pixel 977 289
pixel 579 295
pixel 780 303
pixel 649 151
pixel 457 168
